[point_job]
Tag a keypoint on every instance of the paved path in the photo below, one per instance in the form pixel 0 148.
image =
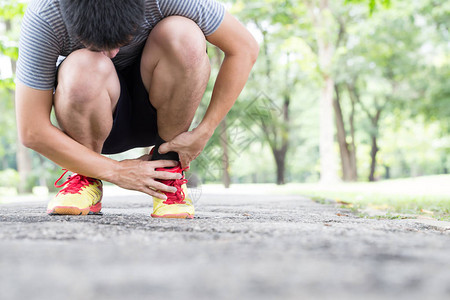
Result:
pixel 238 247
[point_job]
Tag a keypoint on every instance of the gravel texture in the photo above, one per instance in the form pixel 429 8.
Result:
pixel 237 247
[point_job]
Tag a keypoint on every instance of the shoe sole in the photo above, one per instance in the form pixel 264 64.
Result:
pixel 174 216
pixel 72 210
pixel 67 210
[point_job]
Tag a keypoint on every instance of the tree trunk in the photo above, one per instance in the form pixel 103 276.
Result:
pixel 277 133
pixel 444 164
pixel 225 158
pixel 280 143
pixel 280 160
pixel 348 168
pixel 354 98
pixel 5 164
pixel 43 177
pixel 373 157
pixel 24 164
pixel 281 151
pixel 328 172
pixel 353 164
pixel 387 172
pixel 374 146
pixel 324 28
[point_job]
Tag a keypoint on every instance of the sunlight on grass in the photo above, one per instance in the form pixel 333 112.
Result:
pixel 429 195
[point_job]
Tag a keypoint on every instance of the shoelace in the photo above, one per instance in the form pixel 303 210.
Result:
pixel 76 183
pixel 179 196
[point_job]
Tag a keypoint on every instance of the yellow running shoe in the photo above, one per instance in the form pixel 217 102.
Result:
pixel 81 195
pixel 178 204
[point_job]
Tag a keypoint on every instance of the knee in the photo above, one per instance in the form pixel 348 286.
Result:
pixel 84 74
pixel 182 39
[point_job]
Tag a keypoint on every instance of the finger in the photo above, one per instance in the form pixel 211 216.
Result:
pixel 164 148
pixel 162 187
pixel 164 175
pixel 154 193
pixel 163 163
pixel 184 162
pixel 144 157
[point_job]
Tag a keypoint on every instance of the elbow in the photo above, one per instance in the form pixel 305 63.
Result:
pixel 253 51
pixel 28 138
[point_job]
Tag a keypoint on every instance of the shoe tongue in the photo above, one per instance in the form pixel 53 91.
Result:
pixel 77 175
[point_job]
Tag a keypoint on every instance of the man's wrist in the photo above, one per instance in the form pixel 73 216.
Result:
pixel 112 173
pixel 205 130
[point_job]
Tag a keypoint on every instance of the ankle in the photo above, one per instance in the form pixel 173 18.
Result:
pixel 158 156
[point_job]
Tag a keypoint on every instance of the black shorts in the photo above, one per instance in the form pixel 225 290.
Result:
pixel 134 119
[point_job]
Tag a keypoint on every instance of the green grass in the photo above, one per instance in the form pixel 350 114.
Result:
pixel 398 198
pixel 392 199
pixel 428 195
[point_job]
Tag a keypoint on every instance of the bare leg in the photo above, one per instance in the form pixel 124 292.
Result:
pixel 175 70
pixel 87 93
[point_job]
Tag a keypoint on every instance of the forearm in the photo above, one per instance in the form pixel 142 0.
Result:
pixel 230 81
pixel 66 152
pixel 33 109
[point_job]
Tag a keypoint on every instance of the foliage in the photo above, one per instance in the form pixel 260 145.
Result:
pixel 10 12
pixel 11 9
pixel 373 4
pixel 394 54
pixel 382 53
pixel 9 178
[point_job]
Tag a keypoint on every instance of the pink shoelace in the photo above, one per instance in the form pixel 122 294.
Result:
pixel 76 183
pixel 179 196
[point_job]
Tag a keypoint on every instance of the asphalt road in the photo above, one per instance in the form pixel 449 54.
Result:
pixel 237 247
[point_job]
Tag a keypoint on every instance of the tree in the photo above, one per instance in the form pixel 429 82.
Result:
pixel 276 79
pixel 323 27
pixel 10 12
pixel 347 149
pixel 384 72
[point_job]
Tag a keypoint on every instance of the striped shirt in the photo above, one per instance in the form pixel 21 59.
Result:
pixel 44 37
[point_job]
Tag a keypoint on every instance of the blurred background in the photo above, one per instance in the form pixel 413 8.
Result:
pixel 349 100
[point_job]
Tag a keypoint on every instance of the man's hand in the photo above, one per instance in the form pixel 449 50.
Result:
pixel 140 175
pixel 188 145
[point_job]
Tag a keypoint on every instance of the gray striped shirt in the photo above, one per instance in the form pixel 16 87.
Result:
pixel 44 36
